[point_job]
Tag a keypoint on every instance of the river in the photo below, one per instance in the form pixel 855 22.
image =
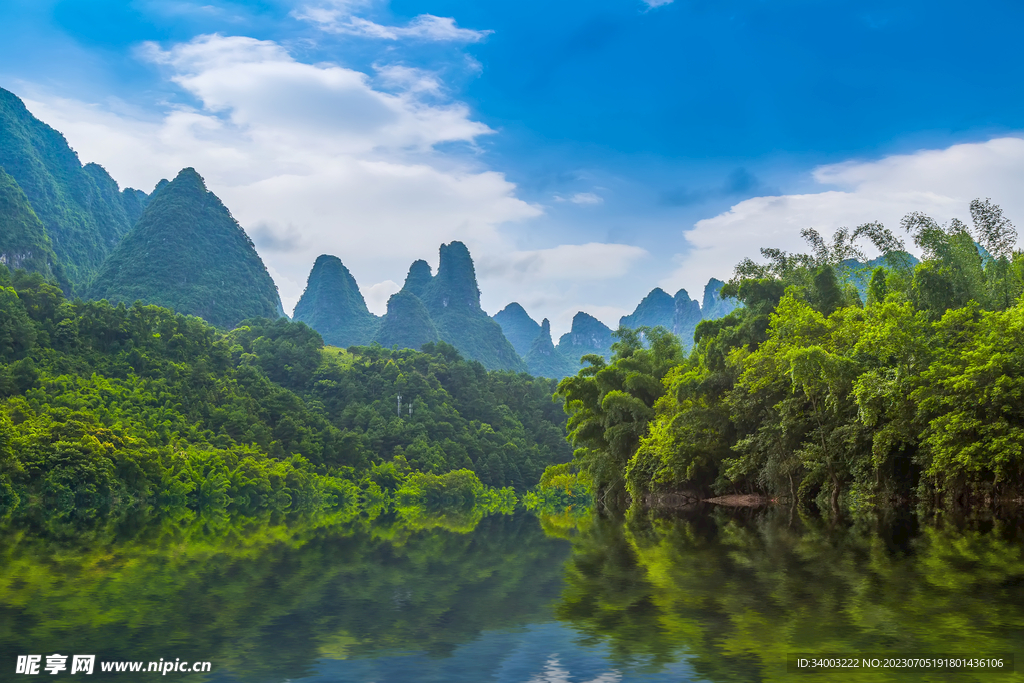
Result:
pixel 708 594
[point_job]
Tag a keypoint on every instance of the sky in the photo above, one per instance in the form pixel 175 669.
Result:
pixel 585 151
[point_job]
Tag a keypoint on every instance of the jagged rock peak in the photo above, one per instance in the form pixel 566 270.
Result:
pixel 588 332
pixel 687 315
pixel 541 346
pixel 455 282
pixel 544 360
pixel 714 306
pixel 418 278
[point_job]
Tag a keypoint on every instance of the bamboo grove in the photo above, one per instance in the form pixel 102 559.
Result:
pixel 839 380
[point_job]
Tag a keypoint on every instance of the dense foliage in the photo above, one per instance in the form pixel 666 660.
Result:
pixel 112 405
pixel 82 209
pixel 809 392
pixel 187 253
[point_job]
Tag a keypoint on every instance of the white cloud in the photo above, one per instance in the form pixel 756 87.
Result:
pixel 575 262
pixel 340 19
pixel 586 199
pixel 409 79
pixel 266 94
pixel 657 3
pixel 309 158
pixel 938 182
pixel 558 282
pixel 377 295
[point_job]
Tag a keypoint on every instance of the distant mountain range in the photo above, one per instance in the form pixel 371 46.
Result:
pixel 179 247
pixel 446 307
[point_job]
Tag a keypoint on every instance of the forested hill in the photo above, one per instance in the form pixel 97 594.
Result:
pixel 24 243
pixel 187 253
pixel 83 211
pixel 103 403
pixel 333 305
pixel 810 392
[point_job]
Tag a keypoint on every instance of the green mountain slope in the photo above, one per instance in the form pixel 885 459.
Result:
pixel 518 327
pixel 111 406
pixel 407 324
pixel 333 305
pixel 587 335
pixel 544 360
pixel 453 301
pixel 188 253
pixel 23 240
pixel 84 213
pixel 418 278
pixel 657 308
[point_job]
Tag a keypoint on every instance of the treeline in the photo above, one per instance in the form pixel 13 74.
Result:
pixel 833 382
pixel 115 405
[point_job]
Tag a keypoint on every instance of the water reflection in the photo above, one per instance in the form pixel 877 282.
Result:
pixel 267 601
pixel 707 595
pixel 733 594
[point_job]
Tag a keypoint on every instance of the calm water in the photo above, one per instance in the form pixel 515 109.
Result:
pixel 711 595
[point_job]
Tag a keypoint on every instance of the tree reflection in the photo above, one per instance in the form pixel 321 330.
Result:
pixel 736 593
pixel 264 599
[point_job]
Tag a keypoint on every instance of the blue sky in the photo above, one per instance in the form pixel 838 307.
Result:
pixel 586 151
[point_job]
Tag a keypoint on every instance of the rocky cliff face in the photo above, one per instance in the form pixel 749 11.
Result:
pixel 418 279
pixel 686 314
pixel 333 305
pixel 23 240
pixel 453 300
